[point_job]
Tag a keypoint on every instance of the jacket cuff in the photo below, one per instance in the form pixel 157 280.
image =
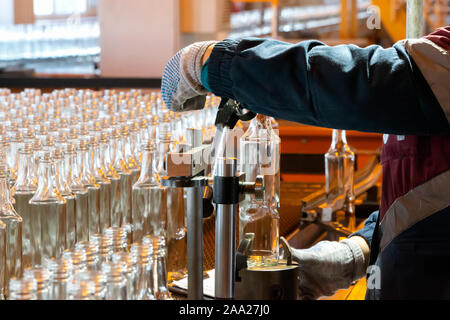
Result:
pixel 219 68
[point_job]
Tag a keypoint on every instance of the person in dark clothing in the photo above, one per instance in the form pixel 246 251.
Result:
pixel 403 92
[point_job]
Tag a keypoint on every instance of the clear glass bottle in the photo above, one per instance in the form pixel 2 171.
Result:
pixel 116 282
pixel 149 199
pixel 13 230
pixel 159 267
pixel 94 189
pixel 48 207
pixel 105 248
pixel 108 179
pixel 118 237
pixel 99 160
pixel 259 152
pixel 77 260
pixel 66 192
pixel 91 251
pixel 130 266
pixel 143 253
pixel 16 141
pixel 120 212
pixel 339 169
pixel 81 289
pixel 23 289
pixel 131 143
pixel 60 274
pixel 99 283
pixel 42 277
pixel 22 191
pixel 81 193
pixel 272 126
pixel 175 213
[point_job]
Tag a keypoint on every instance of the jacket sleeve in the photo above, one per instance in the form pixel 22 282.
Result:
pixel 343 87
pixel 367 230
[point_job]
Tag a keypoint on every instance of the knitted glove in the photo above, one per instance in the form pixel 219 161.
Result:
pixel 328 266
pixel 181 85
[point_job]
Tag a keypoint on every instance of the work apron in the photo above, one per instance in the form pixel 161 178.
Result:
pixel 410 250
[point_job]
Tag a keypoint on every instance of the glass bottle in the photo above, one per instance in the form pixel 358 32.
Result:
pixel 23 289
pixel 159 267
pixel 77 260
pixel 66 192
pixel 118 237
pixel 120 212
pixel 272 126
pixel 130 145
pixel 108 178
pixel 99 283
pixel 116 282
pixel 48 207
pixel 81 193
pixel 130 266
pixel 259 156
pixel 104 244
pixel 175 213
pixel 60 275
pixel 144 256
pixel 339 169
pixel 91 251
pixel 94 189
pixel 16 141
pixel 42 277
pixel 13 231
pixel 149 199
pixel 23 190
pixel 80 289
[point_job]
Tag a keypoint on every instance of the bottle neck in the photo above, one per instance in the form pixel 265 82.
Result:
pixel 104 160
pixel 148 175
pixel 26 180
pixel 85 173
pixel 6 205
pixel 60 177
pixel 339 139
pixel 72 173
pixel 47 190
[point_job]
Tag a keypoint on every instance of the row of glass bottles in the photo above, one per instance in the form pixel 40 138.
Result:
pixel 102 269
pixel 76 174
pixel 96 159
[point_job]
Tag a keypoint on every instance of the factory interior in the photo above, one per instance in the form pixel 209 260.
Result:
pixel 109 193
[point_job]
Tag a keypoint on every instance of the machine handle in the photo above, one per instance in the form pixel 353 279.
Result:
pixel 230 112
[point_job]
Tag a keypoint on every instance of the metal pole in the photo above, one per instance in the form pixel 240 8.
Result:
pixel 195 243
pixel 414 19
pixel 225 237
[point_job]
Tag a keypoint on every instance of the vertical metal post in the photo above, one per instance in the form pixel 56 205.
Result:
pixel 275 23
pixel 195 228
pixel 414 19
pixel 225 237
pixel 195 243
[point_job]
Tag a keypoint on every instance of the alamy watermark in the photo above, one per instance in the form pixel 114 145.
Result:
pixel 374 17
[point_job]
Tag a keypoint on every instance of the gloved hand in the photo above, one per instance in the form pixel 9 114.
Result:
pixel 181 86
pixel 329 266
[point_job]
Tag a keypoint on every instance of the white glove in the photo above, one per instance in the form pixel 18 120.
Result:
pixel 181 85
pixel 328 266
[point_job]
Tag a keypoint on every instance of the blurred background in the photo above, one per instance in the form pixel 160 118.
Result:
pixel 41 39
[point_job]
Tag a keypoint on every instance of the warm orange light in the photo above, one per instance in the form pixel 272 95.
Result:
pixel 274 2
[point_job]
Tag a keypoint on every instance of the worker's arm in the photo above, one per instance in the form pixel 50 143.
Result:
pixel 343 87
